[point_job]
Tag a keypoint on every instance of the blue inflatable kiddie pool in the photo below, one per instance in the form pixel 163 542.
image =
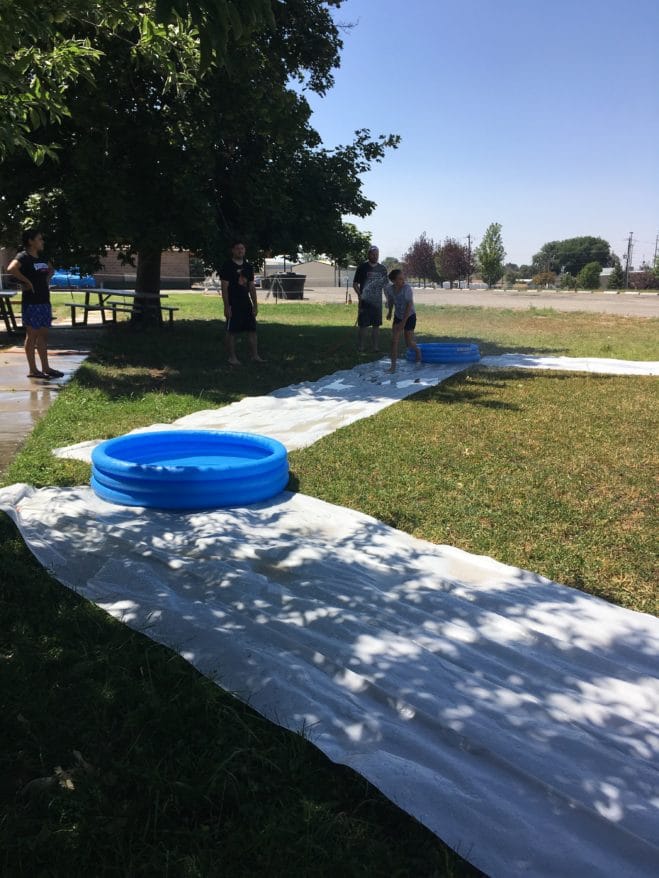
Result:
pixel 189 469
pixel 446 352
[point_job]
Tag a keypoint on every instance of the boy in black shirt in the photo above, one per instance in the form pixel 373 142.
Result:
pixel 34 273
pixel 240 304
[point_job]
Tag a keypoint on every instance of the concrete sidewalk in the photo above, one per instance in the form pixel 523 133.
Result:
pixel 23 400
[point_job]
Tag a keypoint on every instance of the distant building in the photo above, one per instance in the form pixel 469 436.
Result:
pixel 318 272
pixel 174 271
pixel 605 274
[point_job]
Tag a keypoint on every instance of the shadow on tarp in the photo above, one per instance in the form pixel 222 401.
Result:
pixel 139 712
pixel 513 703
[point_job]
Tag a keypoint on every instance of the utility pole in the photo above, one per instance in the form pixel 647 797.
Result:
pixel 468 259
pixel 656 249
pixel 630 248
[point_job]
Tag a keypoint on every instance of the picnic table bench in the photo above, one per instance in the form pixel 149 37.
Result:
pixel 120 302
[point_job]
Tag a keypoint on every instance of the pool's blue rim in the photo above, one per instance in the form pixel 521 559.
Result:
pixel 105 462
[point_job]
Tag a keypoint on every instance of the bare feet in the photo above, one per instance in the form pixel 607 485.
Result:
pixel 234 361
pixel 54 373
pixel 258 360
pixel 36 374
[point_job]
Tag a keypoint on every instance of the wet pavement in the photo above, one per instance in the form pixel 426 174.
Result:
pixel 24 400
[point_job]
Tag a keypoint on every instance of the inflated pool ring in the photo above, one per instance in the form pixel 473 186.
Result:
pixel 189 469
pixel 446 352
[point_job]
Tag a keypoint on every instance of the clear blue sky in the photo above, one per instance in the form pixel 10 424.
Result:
pixel 538 114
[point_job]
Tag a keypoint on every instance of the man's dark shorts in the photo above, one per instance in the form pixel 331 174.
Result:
pixel 369 314
pixel 410 323
pixel 241 320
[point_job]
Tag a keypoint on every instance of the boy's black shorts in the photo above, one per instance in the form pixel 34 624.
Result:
pixel 410 323
pixel 241 320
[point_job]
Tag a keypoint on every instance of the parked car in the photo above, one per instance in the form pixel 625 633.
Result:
pixel 70 277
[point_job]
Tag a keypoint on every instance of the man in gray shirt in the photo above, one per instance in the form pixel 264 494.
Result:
pixel 369 284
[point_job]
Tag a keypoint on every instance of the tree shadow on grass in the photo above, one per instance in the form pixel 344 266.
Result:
pixel 189 358
pixel 478 384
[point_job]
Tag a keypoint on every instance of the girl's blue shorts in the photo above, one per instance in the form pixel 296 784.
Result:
pixel 37 316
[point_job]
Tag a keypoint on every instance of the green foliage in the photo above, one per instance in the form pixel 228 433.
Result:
pixel 162 150
pixel 571 254
pixel 589 276
pixel 348 246
pixel 490 255
pixel 52 45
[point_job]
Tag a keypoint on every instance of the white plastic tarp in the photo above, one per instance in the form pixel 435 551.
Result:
pixel 599 365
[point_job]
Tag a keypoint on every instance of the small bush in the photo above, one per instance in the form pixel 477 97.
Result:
pixel 589 276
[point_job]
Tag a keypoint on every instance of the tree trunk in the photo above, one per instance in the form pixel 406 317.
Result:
pixel 146 308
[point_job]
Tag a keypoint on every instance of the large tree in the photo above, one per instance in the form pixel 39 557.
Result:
pixel 47 46
pixel 171 152
pixel 571 255
pixel 490 255
pixel 419 260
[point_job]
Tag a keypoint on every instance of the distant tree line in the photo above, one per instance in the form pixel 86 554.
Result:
pixel 573 263
pixel 451 261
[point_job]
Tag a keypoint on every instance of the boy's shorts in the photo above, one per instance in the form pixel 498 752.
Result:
pixel 410 323
pixel 241 320
pixel 369 314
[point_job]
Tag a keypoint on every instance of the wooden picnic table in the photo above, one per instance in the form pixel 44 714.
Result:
pixel 117 302
pixel 7 311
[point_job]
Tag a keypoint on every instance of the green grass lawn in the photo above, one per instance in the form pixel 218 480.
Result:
pixel 550 471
